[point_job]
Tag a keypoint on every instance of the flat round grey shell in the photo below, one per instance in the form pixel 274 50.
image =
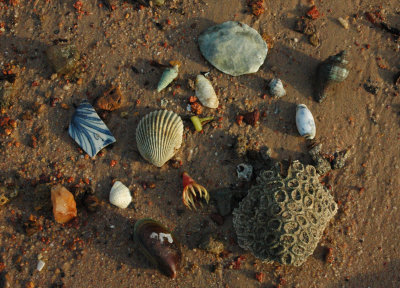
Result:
pixel 159 136
pixel 233 47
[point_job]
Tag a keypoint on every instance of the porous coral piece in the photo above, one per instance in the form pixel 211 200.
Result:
pixel 282 219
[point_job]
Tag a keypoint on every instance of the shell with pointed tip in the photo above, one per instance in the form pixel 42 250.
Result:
pixel 159 136
pixel 276 88
pixel 120 195
pixel 88 130
pixel 167 77
pixel 332 70
pixel 159 245
pixel 233 48
pixel 305 122
pixel 205 92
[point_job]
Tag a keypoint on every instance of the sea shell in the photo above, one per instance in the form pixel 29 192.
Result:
pixel 167 77
pixel 233 47
pixel 159 135
pixel 205 92
pixel 329 72
pixel 159 246
pixel 276 88
pixel 120 195
pixel 305 122
pixel 88 130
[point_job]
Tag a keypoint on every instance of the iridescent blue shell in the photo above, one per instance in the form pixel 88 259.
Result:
pixel 88 130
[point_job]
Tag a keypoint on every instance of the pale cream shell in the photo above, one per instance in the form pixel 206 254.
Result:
pixel 159 135
pixel 205 92
pixel 120 195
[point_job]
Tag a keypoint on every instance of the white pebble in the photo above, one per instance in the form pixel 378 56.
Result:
pixel 120 195
pixel 40 265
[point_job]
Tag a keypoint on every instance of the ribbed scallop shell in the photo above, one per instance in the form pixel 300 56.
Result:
pixel 205 92
pixel 159 136
pixel 276 88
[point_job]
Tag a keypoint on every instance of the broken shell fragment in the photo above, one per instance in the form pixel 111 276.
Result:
pixel 233 48
pixel 88 130
pixel 205 92
pixel 244 171
pixel 159 245
pixel 64 205
pixel 158 136
pixel 332 70
pixel 64 58
pixel 276 88
pixel 305 122
pixel 120 195
pixel 167 77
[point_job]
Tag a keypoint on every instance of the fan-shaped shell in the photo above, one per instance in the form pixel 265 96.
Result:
pixel 120 195
pixel 159 136
pixel 305 122
pixel 276 88
pixel 205 92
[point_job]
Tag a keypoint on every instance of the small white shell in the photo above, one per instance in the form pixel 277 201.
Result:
pixel 205 92
pixel 276 88
pixel 158 136
pixel 305 122
pixel 120 195
pixel 167 77
pixel 40 265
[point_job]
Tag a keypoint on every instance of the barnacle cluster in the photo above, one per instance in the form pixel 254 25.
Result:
pixel 282 219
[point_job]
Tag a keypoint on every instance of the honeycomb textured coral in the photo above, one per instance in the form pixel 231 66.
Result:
pixel 282 219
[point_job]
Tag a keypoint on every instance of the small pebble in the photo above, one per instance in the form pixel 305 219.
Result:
pixel 40 265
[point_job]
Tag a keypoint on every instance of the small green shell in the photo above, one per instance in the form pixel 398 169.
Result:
pixel 167 77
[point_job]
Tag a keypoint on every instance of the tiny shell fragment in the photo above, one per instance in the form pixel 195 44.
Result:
pixel 344 22
pixel 64 205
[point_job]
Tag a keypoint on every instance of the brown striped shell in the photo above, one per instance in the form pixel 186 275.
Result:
pixel 159 136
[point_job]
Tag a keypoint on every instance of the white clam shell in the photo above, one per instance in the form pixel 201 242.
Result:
pixel 276 88
pixel 167 77
pixel 305 122
pixel 205 92
pixel 159 135
pixel 120 195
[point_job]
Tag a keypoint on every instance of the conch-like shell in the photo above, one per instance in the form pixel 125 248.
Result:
pixel 329 72
pixel 159 136
pixel 276 88
pixel 305 122
pixel 205 92
pixel 120 195
pixel 167 77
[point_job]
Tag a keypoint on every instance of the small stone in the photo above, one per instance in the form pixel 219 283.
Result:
pixel 244 171
pixel 314 39
pixel 305 26
pixel 209 244
pixel 252 118
pixel 64 205
pixel 340 158
pixel 111 100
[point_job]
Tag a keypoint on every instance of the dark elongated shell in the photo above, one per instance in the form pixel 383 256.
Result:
pixel 329 72
pixel 159 246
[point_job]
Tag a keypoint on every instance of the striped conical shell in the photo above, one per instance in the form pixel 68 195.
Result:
pixel 159 136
